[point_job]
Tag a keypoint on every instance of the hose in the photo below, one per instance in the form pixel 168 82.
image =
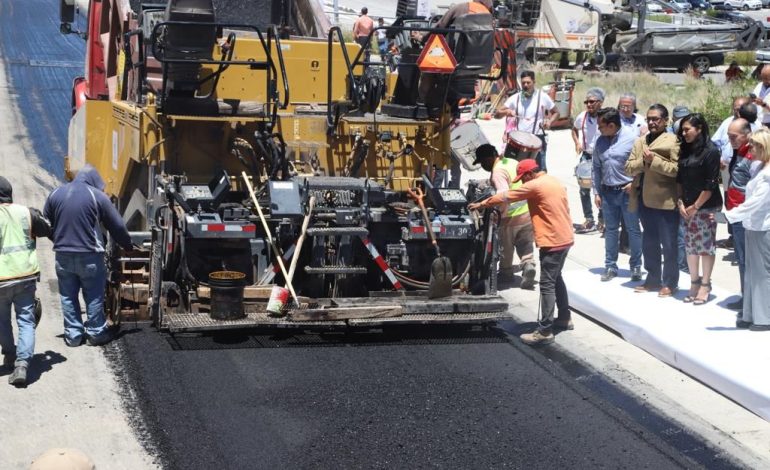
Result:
pixel 424 285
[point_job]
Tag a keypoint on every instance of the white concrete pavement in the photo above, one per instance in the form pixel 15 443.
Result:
pixel 719 420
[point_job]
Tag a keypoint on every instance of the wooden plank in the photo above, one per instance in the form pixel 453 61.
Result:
pixel 346 313
pixel 249 292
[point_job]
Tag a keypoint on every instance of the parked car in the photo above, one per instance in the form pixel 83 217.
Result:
pixel 683 5
pixel 701 61
pixel 700 4
pixel 745 4
pixel 765 3
pixel 762 56
pixel 656 8
pixel 733 16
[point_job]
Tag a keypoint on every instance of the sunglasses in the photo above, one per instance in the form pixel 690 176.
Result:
pixel 654 119
pixel 591 101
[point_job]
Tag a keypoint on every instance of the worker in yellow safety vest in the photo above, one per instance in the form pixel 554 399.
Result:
pixel 515 231
pixel 19 272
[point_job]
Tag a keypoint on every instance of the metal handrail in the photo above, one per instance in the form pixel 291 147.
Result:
pixel 267 65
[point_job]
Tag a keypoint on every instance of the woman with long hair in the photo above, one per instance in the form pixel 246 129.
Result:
pixel 699 201
pixel 754 212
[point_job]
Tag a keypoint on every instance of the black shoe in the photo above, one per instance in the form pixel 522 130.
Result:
pixel 19 377
pixel 585 227
pixel 528 276
pixel 737 305
pixel 726 244
pixel 100 340
pixel 636 274
pixel 609 274
pixel 742 325
pixel 759 328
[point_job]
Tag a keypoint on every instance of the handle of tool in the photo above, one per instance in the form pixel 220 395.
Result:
pixel 270 238
pixel 428 226
pixel 301 239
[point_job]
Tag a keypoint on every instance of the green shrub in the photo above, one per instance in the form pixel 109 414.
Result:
pixel 699 95
pixel 744 58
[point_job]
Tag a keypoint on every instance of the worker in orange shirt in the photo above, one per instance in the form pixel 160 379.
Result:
pixel 552 224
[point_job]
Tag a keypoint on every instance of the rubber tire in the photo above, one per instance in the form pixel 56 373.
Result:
pixel 701 64
pixel 626 63
pixel 745 7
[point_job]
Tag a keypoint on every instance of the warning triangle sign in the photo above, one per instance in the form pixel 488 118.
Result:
pixel 436 57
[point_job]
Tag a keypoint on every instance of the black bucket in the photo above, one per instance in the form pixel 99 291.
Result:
pixel 227 295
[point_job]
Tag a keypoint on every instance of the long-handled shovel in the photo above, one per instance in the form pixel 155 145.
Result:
pixel 276 251
pixel 301 239
pixel 440 284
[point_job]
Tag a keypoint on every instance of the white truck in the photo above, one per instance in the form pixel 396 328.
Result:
pixel 560 24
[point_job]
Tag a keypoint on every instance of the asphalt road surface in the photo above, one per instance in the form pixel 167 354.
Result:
pixel 404 398
pixel 413 398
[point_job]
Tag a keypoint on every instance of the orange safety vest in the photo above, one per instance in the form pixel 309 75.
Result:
pixel 476 8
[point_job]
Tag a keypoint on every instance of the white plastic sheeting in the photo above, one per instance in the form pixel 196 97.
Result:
pixel 701 341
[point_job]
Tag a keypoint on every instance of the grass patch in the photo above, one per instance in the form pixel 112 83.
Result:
pixel 744 58
pixel 699 95
pixel 660 18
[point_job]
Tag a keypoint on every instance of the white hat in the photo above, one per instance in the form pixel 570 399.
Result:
pixel 63 459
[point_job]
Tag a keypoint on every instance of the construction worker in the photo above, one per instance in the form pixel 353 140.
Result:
pixel 77 211
pixel 552 224
pixel 516 225
pixel 471 17
pixel 481 7
pixel 19 272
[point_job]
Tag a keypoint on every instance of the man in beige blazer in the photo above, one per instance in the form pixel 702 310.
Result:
pixel 653 164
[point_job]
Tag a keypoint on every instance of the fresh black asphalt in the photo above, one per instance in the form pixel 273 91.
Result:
pixel 403 398
pixel 410 398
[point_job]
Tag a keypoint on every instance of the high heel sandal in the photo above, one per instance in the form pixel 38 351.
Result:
pixel 694 288
pixel 700 300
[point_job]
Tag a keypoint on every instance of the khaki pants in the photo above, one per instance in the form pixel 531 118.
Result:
pixel 518 236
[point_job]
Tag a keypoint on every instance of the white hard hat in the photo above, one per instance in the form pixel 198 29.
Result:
pixel 63 459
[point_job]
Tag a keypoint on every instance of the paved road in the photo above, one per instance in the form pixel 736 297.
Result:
pixel 403 398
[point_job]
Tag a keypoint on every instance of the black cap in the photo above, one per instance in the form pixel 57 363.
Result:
pixel 485 151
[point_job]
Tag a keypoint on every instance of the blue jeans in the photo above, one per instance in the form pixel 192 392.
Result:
pixel 84 271
pixel 682 256
pixel 739 244
pixel 615 207
pixel 661 231
pixel 22 297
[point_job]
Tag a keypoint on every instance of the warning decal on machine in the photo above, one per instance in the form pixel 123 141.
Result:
pixel 436 57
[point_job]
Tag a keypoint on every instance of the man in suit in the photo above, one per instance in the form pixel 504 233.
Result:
pixel 653 163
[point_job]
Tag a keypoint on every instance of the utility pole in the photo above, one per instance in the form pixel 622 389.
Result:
pixel 641 7
pixel 336 12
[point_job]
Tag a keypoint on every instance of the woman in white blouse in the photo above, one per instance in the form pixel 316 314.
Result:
pixel 754 212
